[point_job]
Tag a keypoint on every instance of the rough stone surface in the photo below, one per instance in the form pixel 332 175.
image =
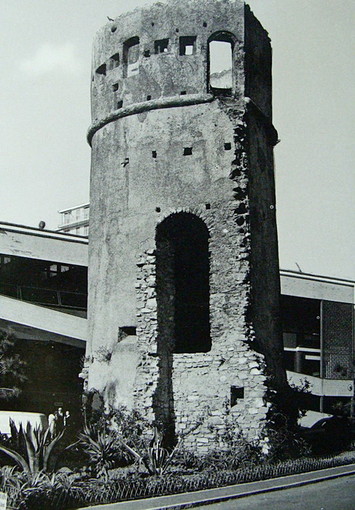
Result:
pixel 200 155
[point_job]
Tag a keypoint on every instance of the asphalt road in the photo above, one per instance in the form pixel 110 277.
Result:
pixel 338 494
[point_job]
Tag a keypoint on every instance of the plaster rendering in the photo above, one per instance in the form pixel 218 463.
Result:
pixel 183 263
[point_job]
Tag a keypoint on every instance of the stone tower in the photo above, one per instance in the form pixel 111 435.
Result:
pixel 183 261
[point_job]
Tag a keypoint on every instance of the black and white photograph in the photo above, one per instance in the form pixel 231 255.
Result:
pixel 177 277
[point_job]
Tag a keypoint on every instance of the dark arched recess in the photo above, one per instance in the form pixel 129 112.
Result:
pixel 183 284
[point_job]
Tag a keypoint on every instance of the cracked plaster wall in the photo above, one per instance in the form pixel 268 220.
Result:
pixel 140 176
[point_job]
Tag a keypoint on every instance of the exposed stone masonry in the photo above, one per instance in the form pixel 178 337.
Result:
pixel 183 241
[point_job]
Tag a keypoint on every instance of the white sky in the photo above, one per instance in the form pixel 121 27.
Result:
pixel 45 51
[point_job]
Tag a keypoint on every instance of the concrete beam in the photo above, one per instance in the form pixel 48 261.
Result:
pixel 37 322
pixel 322 387
pixel 316 287
pixel 32 243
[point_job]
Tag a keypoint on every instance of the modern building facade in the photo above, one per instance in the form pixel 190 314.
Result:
pixel 43 303
pixel 318 330
pixel 75 220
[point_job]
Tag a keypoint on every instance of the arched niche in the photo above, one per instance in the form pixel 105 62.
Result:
pixel 183 284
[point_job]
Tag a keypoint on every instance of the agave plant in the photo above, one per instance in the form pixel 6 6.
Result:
pixel 157 459
pixel 101 448
pixel 39 446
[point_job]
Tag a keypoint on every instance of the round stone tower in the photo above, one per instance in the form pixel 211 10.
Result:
pixel 183 261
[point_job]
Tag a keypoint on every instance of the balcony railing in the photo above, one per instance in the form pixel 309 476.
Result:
pixel 45 297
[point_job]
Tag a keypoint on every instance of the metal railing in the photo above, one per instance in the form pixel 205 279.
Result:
pixel 45 297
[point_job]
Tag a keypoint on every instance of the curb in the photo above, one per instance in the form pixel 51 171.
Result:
pixel 221 494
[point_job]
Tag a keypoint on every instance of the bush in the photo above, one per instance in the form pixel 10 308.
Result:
pixel 111 439
pixel 12 368
pixel 93 492
pixel 34 447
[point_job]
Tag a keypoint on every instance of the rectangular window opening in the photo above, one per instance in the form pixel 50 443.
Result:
pixel 154 154
pixel 115 87
pixel 161 46
pixel 146 53
pixel 114 61
pixel 119 104
pixel 187 45
pixel 125 331
pixel 221 66
pixel 130 56
pixel 187 151
pixel 236 393
pixel 227 146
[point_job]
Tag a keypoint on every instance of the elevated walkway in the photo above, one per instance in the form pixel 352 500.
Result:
pixel 322 387
pixel 34 243
pixel 30 321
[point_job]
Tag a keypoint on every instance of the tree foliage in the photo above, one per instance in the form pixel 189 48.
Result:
pixel 12 368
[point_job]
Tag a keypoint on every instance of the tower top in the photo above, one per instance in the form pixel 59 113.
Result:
pixel 163 51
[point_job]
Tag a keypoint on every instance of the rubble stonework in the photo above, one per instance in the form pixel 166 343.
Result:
pixel 201 381
pixel 174 157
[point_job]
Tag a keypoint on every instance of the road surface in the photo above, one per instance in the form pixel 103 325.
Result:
pixel 338 494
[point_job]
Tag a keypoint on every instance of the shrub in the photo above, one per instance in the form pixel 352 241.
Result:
pixel 35 446
pixel 100 448
pixel 12 368
pixel 95 491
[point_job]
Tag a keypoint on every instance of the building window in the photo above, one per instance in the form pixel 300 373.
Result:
pixel 220 64
pixel 161 46
pixel 301 334
pixel 114 61
pixel 237 393
pixel 187 45
pixel 183 283
pixel 130 56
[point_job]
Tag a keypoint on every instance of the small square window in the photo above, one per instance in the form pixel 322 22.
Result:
pixel 115 87
pixel 149 98
pixel 147 53
pixel 115 61
pixel 236 393
pixel 119 104
pixel 227 146
pixel 187 151
pixel 161 46
pixel 187 45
